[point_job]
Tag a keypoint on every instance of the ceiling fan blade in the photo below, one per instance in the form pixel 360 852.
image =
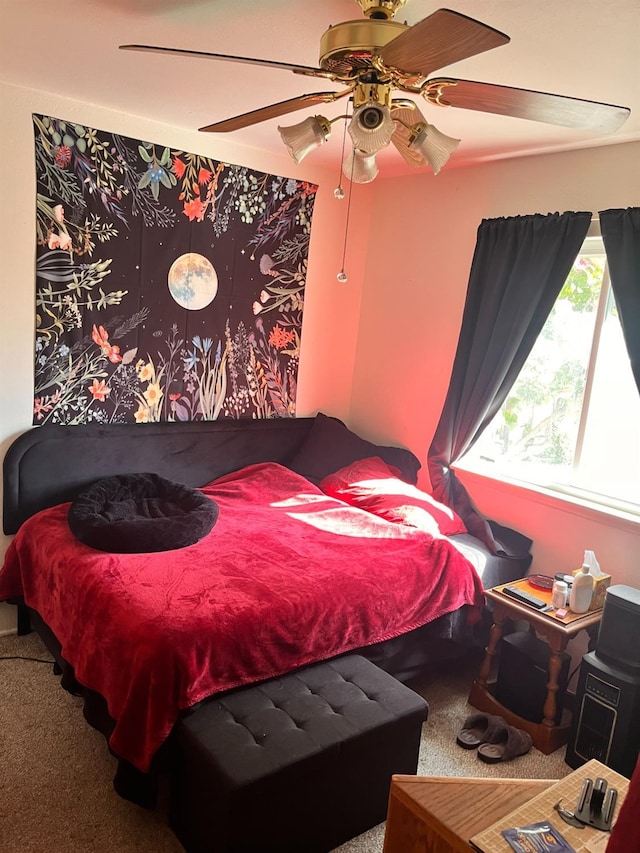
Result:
pixel 441 39
pixel 401 136
pixel 274 110
pixel 526 103
pixel 200 54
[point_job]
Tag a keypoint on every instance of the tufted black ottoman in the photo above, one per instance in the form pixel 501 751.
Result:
pixel 299 764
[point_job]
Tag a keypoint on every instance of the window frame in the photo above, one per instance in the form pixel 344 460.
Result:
pixel 602 503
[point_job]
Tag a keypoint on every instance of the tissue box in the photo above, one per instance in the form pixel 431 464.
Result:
pixel 600 586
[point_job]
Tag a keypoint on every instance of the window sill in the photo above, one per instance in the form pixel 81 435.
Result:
pixel 556 499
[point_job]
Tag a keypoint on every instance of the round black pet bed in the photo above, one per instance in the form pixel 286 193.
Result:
pixel 140 513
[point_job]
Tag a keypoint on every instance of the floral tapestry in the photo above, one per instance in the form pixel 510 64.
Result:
pixel 169 286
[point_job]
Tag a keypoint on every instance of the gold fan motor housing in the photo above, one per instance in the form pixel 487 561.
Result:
pixel 349 46
pixel 380 8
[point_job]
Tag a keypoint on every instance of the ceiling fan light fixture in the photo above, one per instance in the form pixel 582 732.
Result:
pixel 360 167
pixel 436 147
pixel 371 127
pixel 304 137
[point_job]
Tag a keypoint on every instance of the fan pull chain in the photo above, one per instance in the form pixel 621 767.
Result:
pixel 342 276
pixel 339 191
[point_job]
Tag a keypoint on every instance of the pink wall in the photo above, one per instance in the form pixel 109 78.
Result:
pixel 419 254
pixel 332 309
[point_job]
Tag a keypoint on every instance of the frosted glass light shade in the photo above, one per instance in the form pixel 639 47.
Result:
pixel 371 127
pixel 360 167
pixel 435 147
pixel 306 136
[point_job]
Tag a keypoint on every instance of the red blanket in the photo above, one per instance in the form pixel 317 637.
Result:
pixel 286 577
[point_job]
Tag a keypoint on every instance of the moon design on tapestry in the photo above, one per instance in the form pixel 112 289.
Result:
pixel 193 281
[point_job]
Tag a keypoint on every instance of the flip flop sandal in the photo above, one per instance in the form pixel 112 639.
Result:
pixel 477 729
pixel 505 743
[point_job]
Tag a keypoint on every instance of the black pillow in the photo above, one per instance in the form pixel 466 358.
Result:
pixel 140 513
pixel 330 445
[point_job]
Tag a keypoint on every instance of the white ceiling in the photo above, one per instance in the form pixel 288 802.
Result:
pixel 582 48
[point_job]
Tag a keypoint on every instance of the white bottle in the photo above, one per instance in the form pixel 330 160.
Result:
pixel 581 591
pixel 559 594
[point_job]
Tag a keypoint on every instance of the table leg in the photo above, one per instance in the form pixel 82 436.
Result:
pixel 495 635
pixel 557 645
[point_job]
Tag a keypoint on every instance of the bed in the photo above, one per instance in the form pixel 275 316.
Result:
pixel 303 561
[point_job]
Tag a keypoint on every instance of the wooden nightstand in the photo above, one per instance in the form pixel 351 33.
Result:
pixel 546 736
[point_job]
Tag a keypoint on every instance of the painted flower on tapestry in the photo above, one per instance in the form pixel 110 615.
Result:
pixel 280 338
pixel 266 266
pixel 194 210
pixel 43 405
pixel 204 344
pixel 142 415
pixel 59 241
pixel 153 394
pixel 144 371
pixel 150 401
pixel 99 390
pixel 101 337
pixel 204 176
pixel 190 360
pixel 63 156
pixel 178 167
pixel 39 408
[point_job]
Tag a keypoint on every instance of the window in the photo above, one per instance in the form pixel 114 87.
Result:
pixel 571 422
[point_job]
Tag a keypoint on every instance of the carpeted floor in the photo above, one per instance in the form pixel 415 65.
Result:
pixel 56 791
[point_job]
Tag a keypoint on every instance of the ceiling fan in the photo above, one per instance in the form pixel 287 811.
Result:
pixel 375 57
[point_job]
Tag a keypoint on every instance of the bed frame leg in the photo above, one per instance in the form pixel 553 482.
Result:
pixel 24 620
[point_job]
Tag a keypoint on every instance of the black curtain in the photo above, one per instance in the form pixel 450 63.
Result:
pixel 621 236
pixel 519 267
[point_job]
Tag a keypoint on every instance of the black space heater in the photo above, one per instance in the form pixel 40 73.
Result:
pixel 605 722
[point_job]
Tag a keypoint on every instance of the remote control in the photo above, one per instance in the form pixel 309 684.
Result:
pixel 524 597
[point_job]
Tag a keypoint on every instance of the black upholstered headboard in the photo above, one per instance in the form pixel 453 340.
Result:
pixel 51 464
